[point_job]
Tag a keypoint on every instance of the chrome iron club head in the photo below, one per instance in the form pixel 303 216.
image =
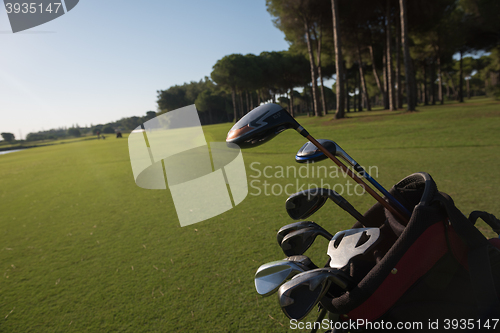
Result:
pixel 298 296
pixel 269 277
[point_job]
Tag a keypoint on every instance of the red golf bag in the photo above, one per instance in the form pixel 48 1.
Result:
pixel 438 269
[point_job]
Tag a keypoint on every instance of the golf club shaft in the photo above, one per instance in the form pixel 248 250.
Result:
pixel 387 194
pixel 358 180
pixel 345 205
pixel 322 315
pixel 341 153
pixel 357 215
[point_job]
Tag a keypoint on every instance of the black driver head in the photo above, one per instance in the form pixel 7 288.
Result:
pixel 260 125
pixel 310 153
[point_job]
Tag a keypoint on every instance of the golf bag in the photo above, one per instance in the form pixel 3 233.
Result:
pixel 438 269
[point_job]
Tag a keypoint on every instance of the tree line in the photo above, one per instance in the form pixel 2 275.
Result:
pixel 125 124
pixel 381 52
pixel 239 83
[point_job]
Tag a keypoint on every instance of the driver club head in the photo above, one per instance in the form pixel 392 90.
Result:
pixel 285 230
pixel 298 296
pixel 261 125
pixel 310 153
pixel 297 242
pixel 269 277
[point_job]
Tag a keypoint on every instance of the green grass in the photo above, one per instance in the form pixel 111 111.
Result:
pixel 4 145
pixel 83 248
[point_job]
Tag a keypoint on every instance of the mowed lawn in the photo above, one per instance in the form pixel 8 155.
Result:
pixel 82 248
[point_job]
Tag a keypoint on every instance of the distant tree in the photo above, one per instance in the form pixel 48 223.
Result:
pixel 491 73
pixel 483 23
pixel 177 96
pixel 210 102
pixel 330 98
pixel 340 113
pixel 108 130
pixel 73 131
pixel 410 77
pixel 294 73
pixel 304 22
pixel 172 98
pixel 9 137
pixel 150 115
pixel 35 137
pixel 271 67
pixel 227 72
pixel 468 66
pixel 98 128
pixel 252 74
pixel 476 27
pixel 390 75
pixel 130 123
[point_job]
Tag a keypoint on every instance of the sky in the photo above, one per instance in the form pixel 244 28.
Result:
pixel 105 60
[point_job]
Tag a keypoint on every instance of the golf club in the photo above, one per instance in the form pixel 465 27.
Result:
pixel 297 242
pixel 266 121
pixel 310 153
pixel 292 227
pixel 348 244
pixel 303 204
pixel 269 277
pixel 298 296
pixel 321 315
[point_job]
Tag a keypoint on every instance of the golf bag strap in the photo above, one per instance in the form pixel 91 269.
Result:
pixel 478 258
pixel 490 219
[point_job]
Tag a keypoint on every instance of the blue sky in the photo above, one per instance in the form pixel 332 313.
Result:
pixel 105 60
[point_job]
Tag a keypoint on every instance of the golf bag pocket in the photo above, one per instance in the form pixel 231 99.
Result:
pixel 438 266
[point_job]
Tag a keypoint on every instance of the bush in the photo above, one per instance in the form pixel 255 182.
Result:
pixel 35 137
pixel 74 132
pixel 9 137
pixel 96 129
pixel 496 92
pixel 108 130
